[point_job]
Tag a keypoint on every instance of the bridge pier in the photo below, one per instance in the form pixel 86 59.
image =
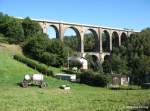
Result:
pixel 61 32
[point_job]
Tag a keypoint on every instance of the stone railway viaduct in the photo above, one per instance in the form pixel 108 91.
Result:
pixel 114 34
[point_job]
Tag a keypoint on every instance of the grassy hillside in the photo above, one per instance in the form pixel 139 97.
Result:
pixel 79 98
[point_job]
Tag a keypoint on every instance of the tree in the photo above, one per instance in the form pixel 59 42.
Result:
pixel 15 31
pixel 58 47
pixel 11 28
pixel 31 28
pixel 133 58
pixel 36 45
pixel 72 42
pixel 50 59
pixel 119 65
pixel 89 42
pixel 107 66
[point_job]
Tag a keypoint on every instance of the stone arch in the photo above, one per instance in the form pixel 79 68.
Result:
pixel 123 38
pixel 94 39
pixel 75 29
pixel 115 39
pixel 95 58
pixel 105 41
pixel 92 61
pixel 78 45
pixel 55 29
pixel 107 57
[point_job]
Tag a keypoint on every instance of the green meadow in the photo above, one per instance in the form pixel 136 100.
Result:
pixel 80 98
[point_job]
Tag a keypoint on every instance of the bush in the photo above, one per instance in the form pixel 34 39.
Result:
pixel 33 64
pixel 50 59
pixel 94 79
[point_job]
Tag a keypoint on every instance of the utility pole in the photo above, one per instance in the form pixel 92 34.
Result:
pixel 68 60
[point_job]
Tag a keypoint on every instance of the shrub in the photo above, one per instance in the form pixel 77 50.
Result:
pixel 93 79
pixel 50 59
pixel 33 64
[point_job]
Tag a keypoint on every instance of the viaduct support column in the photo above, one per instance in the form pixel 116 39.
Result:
pixel 82 42
pixel 44 27
pixel 100 40
pixel 110 41
pixel 119 40
pixel 61 32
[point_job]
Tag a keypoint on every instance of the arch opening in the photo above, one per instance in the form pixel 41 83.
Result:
pixel 72 38
pixel 123 38
pixel 115 40
pixel 107 57
pixel 105 41
pixel 90 41
pixel 93 62
pixel 52 32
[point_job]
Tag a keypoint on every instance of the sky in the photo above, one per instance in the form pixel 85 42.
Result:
pixel 131 14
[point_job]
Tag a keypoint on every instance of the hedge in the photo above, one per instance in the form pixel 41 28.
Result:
pixel 94 79
pixel 122 87
pixel 42 68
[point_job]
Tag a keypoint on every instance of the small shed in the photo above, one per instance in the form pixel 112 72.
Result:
pixel 118 80
pixel 82 60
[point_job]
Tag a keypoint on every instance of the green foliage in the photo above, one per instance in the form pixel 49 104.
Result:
pixel 132 58
pixel 106 66
pixel 36 46
pixel 72 42
pixel 105 42
pixel 56 47
pixel 93 79
pixel 89 42
pixel 11 28
pixel 33 64
pixel 50 59
pixel 31 28
pixel 50 52
pixel 15 31
pixel 140 67
pixel 119 65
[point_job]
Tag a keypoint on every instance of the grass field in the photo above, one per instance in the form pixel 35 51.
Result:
pixel 79 98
